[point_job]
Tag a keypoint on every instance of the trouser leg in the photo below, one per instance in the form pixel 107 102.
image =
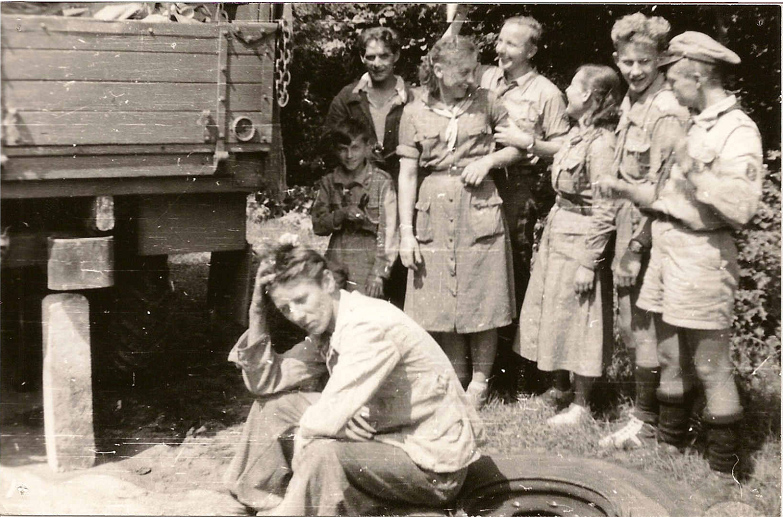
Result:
pixel 637 330
pixel 262 463
pixel 456 349
pixel 362 478
pixel 676 390
pixel 724 410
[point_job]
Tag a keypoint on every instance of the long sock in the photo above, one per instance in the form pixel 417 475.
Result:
pixel 674 414
pixel 723 441
pixel 646 380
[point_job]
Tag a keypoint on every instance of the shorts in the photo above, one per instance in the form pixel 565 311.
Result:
pixel 691 278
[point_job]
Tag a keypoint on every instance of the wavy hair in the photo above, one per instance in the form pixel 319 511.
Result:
pixel 294 262
pixel 604 83
pixel 385 35
pixel 638 28
pixel 449 50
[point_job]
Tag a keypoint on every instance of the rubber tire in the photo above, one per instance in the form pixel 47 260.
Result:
pixel 493 486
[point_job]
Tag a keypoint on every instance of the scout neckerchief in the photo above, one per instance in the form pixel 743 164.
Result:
pixel 453 113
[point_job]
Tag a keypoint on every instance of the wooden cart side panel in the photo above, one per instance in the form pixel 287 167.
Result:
pixel 53 25
pixel 122 96
pixel 70 65
pixel 33 36
pixel 118 128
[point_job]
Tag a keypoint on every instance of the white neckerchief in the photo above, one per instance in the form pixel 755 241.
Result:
pixel 453 113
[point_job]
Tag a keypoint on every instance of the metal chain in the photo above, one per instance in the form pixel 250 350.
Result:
pixel 283 62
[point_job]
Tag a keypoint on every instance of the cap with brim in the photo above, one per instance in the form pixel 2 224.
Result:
pixel 699 47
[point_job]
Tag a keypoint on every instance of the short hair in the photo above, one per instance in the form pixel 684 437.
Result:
pixel 711 73
pixel 348 130
pixel 604 83
pixel 293 262
pixel 536 31
pixel 448 50
pixel 638 28
pixel 385 35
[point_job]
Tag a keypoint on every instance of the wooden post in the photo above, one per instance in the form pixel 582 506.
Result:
pixel 67 382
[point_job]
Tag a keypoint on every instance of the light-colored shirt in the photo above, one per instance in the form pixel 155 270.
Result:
pixel 379 111
pixel 647 132
pixel 385 361
pixel 586 155
pixel 723 187
pixel 533 103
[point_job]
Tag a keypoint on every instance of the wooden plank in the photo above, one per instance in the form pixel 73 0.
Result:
pixel 54 24
pixel 71 65
pixel 77 263
pixel 123 96
pixel 32 36
pixel 109 128
pixel 67 382
pixel 119 166
pixel 102 150
pixel 187 224
pixel 135 186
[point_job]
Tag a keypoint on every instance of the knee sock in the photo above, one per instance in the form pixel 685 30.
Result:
pixel 646 380
pixel 723 441
pixel 673 417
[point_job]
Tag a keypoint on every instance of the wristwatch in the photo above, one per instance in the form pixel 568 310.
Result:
pixel 635 247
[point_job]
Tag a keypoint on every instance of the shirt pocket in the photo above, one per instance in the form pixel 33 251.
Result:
pixel 636 162
pixel 571 174
pixel 702 154
pixel 423 221
pixel 525 114
pixel 478 133
pixel 427 139
pixel 485 217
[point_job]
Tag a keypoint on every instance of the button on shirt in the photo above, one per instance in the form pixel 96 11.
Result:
pixel 425 130
pixel 723 186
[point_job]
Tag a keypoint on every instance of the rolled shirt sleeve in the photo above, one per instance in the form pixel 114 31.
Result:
pixel 406 147
pixel 266 372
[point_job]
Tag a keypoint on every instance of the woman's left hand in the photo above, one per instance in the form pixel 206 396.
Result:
pixel 476 171
pixel 583 280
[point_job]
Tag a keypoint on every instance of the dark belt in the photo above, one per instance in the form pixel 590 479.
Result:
pixel 666 218
pixel 571 206
pixel 451 171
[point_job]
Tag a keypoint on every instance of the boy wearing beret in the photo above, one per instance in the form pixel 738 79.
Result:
pixel 714 188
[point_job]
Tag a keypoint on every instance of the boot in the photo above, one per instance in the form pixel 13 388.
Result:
pixel 723 443
pixel 673 418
